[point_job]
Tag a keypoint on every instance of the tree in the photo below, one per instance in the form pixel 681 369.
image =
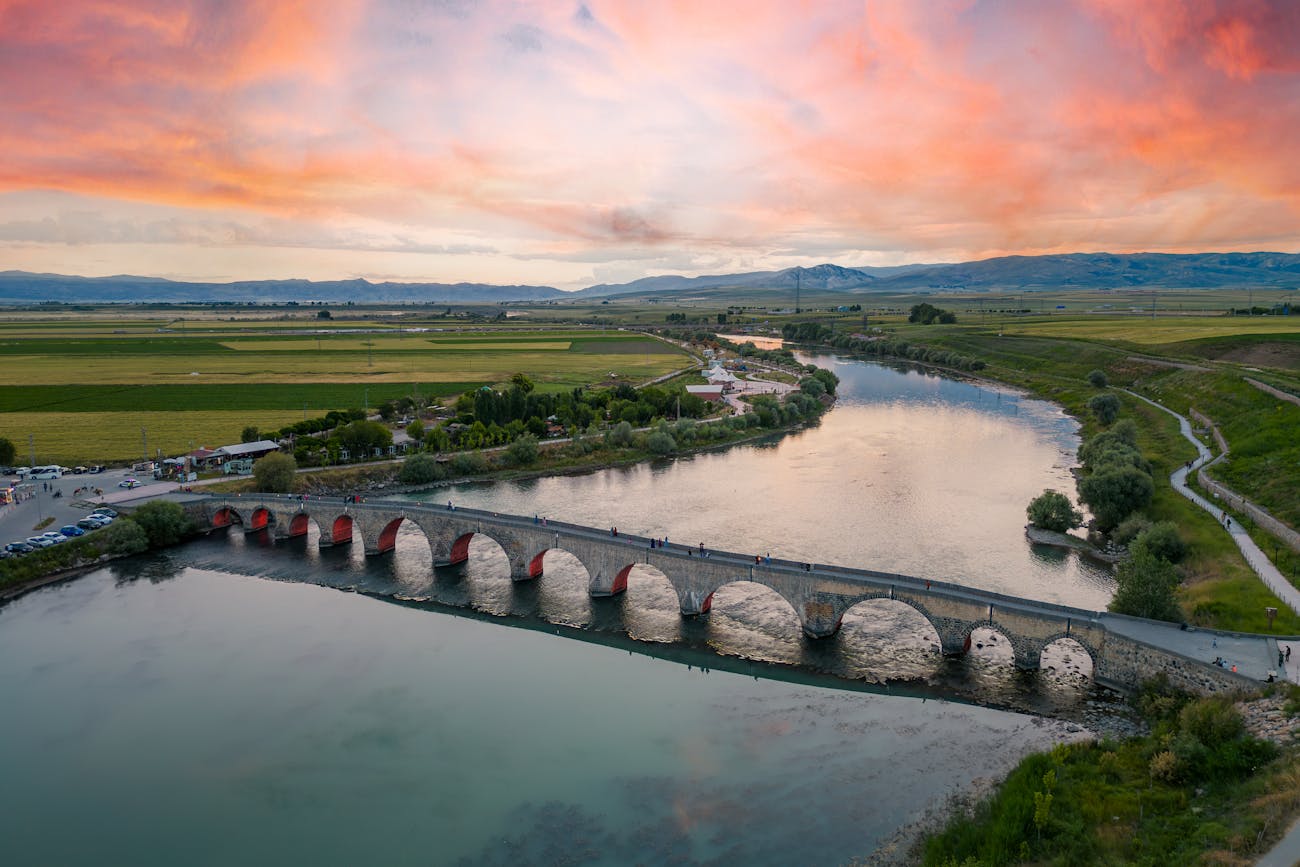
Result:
pixel 122 537
pixel 621 434
pixel 927 314
pixel 1052 510
pixel 1098 378
pixel 522 382
pixel 164 522
pixel 415 430
pixel 250 434
pixel 1113 494
pixel 523 451
pixel 1144 587
pixel 360 437
pixel 275 473
pixel 7 452
pixel 1162 540
pixel 324 314
pixel 421 469
pixel 1105 407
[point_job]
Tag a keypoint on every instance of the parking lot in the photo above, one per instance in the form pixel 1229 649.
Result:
pixel 18 521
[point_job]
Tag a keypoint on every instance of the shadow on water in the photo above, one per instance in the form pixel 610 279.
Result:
pixel 883 647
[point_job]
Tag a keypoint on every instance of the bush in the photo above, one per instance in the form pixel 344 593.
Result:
pixel 1114 494
pixel 124 536
pixel 469 463
pixel 1130 528
pixel 1144 587
pixel 523 451
pixel 421 469
pixel 621 434
pixel 275 473
pixel 1097 378
pixel 661 443
pixel 1163 541
pixel 1052 510
pixel 164 523
pixel 1105 407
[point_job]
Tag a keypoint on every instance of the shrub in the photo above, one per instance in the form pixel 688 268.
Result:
pixel 1130 528
pixel 1163 541
pixel 124 536
pixel 421 469
pixel 164 523
pixel 523 451
pixel 1114 494
pixel 1052 510
pixel 1105 407
pixel 621 434
pixel 1097 378
pixel 469 463
pixel 275 473
pixel 660 443
pixel 1144 587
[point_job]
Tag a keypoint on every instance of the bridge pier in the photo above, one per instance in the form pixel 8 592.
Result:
pixel 693 603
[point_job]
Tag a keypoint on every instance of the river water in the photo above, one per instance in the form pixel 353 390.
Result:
pixel 224 703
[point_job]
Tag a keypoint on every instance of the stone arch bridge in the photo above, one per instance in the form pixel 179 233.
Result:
pixel 820 594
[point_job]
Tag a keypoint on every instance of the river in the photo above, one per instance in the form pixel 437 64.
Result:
pixel 224 703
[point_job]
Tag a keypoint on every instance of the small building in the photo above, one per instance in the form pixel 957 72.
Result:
pixel 246 451
pixel 707 392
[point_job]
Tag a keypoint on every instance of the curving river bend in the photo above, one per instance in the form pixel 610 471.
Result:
pixel 215 705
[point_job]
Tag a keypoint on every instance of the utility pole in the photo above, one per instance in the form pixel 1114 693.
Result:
pixel 798 288
pixel 144 442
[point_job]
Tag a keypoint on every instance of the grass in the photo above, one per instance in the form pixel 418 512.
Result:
pixel 110 437
pixel 1141 331
pixel 85 393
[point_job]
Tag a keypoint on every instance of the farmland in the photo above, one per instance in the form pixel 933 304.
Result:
pixel 84 388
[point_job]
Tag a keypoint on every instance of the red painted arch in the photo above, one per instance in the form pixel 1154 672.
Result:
pixel 298 526
pixel 535 565
pixel 224 517
pixel 460 548
pixel 259 520
pixel 388 536
pixel 342 529
pixel 620 580
pixel 965 648
pixel 708 603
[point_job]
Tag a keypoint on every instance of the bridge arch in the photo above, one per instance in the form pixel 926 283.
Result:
pixel 897 617
pixel 336 530
pixel 225 517
pixel 259 519
pixel 1059 651
pixel 743 594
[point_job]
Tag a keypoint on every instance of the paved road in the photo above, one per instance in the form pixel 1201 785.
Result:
pixel 1264 568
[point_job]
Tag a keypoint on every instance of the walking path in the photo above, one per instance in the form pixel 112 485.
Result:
pixel 1264 568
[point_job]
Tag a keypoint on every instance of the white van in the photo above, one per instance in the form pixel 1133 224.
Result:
pixel 51 472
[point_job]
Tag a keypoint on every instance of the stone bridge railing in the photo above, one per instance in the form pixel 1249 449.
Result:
pixel 819 594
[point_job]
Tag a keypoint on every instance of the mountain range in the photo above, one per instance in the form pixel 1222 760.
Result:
pixel 1006 273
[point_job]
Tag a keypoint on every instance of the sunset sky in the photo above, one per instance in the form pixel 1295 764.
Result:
pixel 566 143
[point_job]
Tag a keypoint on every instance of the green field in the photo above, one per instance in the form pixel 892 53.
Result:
pixel 83 389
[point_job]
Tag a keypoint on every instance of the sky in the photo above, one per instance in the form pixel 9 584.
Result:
pixel 573 143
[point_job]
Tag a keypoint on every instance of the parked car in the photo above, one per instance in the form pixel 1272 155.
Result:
pixel 5 555
pixel 76 471
pixel 54 536
pixel 71 530
pixel 91 523
pixel 128 483
pixel 40 542
pixel 19 548
pixel 97 468
pixel 104 520
pixel 104 510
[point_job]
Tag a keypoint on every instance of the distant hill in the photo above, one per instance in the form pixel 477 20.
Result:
pixel 1006 273
pixel 1067 271
pixel 25 287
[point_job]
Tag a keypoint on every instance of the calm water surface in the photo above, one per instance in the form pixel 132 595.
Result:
pixel 212 706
